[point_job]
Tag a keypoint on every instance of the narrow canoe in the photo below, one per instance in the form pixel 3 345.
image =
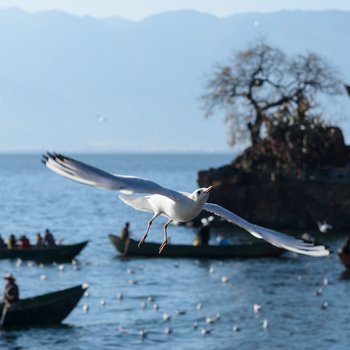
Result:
pixel 344 258
pixel 60 253
pixel 344 252
pixel 249 250
pixel 42 310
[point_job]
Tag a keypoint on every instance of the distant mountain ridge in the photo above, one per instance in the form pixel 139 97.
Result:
pixel 58 72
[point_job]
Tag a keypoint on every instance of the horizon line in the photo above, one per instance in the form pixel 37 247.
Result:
pixel 162 13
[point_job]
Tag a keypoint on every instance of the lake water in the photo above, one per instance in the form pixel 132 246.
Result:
pixel 304 301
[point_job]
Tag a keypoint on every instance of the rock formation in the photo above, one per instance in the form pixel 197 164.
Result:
pixel 294 177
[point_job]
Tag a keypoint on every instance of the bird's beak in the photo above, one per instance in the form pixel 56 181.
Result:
pixel 208 189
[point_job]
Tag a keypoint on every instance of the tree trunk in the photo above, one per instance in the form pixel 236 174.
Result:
pixel 254 130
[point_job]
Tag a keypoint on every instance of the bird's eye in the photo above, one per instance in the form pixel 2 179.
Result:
pixel 199 192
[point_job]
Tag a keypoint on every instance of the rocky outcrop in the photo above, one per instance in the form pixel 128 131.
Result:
pixel 273 190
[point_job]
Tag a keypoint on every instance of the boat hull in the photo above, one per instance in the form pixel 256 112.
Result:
pixel 59 253
pixel 345 259
pixel 249 250
pixel 42 310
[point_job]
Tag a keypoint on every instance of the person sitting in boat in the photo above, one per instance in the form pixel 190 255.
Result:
pixel 39 241
pixel 25 243
pixel 49 240
pixel 11 291
pixel 2 243
pixel 12 242
pixel 125 233
pixel 203 234
pixel 222 240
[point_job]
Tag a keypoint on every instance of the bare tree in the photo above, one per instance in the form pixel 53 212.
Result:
pixel 262 83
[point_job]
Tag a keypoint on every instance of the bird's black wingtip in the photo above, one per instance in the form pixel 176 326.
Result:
pixel 57 157
pixel 47 156
pixel 61 157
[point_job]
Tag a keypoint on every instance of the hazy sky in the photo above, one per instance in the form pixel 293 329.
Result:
pixel 133 10
pixel 138 9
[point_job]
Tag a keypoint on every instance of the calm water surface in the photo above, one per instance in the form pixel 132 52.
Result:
pixel 304 301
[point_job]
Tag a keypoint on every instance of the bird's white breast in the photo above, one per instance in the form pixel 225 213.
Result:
pixel 181 211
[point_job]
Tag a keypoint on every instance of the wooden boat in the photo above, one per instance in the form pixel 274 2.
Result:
pixel 344 253
pixel 42 310
pixel 248 250
pixel 344 258
pixel 59 253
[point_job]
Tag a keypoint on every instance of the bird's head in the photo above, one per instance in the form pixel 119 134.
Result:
pixel 201 194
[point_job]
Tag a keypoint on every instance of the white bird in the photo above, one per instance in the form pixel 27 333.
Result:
pixel 142 333
pixel 205 331
pixel 319 292
pixel 168 330
pixel 256 308
pixel 324 226
pixel 265 324
pixel 324 305
pixel 180 312
pixel 235 328
pixel 175 206
pixel 224 279
pixel 166 317
pixel 210 320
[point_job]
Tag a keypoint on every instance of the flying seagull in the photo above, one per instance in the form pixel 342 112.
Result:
pixel 175 206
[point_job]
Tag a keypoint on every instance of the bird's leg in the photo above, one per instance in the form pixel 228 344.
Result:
pixel 165 242
pixel 146 233
pixel 148 227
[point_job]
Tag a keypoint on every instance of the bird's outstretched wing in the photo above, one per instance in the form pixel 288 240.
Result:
pixel 277 239
pixel 88 175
